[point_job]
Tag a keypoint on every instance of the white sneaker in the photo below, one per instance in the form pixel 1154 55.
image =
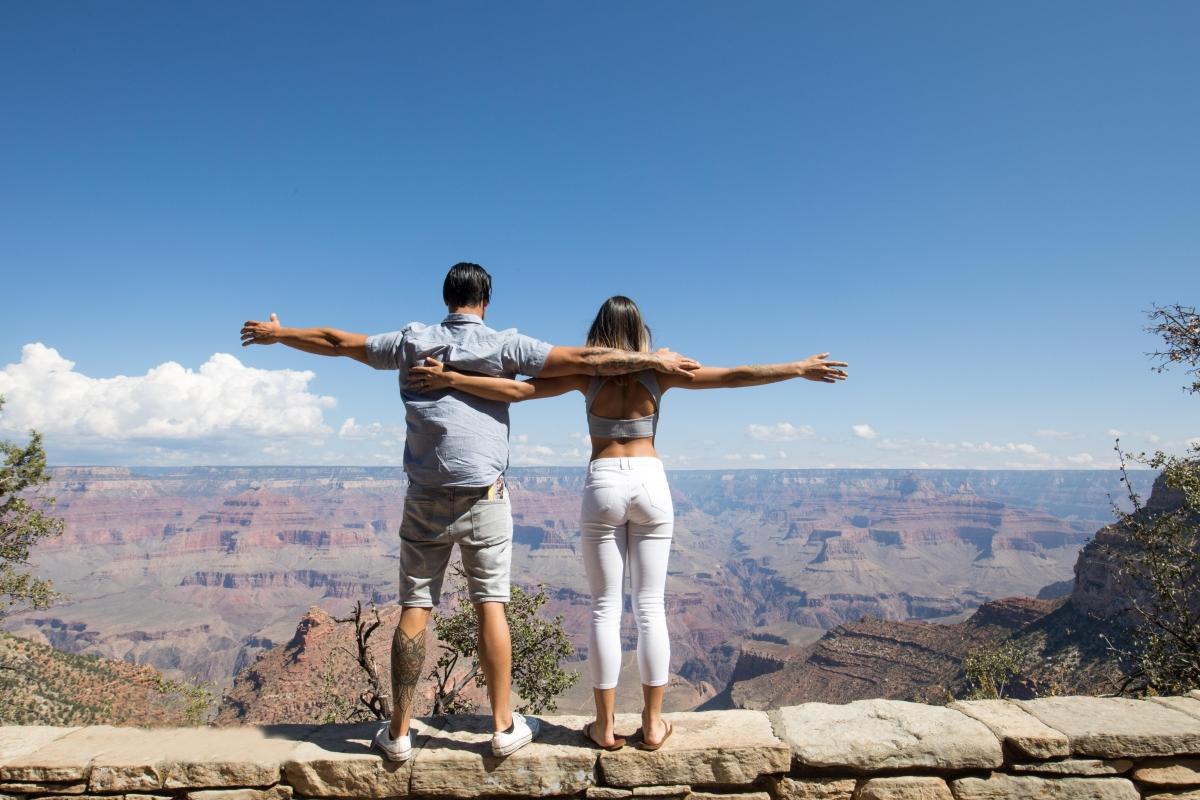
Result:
pixel 398 750
pixel 522 732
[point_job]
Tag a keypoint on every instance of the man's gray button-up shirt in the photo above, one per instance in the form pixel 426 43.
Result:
pixel 453 438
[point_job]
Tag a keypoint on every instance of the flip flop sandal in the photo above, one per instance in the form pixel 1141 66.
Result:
pixel 617 744
pixel 644 745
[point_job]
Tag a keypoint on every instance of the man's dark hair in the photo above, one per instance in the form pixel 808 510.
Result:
pixel 467 284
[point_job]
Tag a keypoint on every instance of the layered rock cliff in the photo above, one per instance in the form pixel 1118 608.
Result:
pixel 196 571
pixel 1065 642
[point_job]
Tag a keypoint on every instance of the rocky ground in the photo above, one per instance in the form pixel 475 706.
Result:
pixel 41 685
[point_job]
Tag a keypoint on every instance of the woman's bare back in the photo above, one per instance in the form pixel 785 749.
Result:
pixel 622 398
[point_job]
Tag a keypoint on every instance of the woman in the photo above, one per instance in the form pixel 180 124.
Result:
pixel 627 516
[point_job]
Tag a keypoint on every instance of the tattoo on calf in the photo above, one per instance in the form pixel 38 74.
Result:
pixel 408 658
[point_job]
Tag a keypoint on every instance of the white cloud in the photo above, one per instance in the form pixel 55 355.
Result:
pixel 1114 432
pixel 732 456
pixel 532 456
pixel 169 404
pixel 1050 433
pixel 1007 447
pixel 387 435
pixel 779 432
pixel 1154 438
pixel 864 431
pixel 981 455
pixel 758 457
pixel 524 453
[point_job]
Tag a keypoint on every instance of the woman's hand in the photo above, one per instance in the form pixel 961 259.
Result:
pixel 429 376
pixel 816 368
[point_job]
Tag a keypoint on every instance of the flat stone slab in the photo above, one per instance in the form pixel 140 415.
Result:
pixel 1076 766
pixel 1188 705
pixel 1169 772
pixel 78 787
pixel 721 796
pixel 875 735
pixel 907 787
pixel 183 758
pixel 813 788
pixel 456 761
pixel 706 748
pixel 1016 728
pixel 280 792
pixel 114 759
pixel 1030 787
pixel 1118 727
pixel 20 740
pixel 65 758
pixel 1193 794
pixel 339 761
pixel 661 791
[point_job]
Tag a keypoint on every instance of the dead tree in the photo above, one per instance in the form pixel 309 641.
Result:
pixel 376 697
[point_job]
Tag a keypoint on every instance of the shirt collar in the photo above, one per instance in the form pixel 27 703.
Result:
pixel 462 319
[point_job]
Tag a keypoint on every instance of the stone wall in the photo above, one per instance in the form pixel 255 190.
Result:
pixel 1064 747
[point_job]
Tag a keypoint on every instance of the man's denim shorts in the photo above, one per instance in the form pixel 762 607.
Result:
pixel 434 519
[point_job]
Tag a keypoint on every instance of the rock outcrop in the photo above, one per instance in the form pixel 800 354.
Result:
pixel 1065 639
pixel 39 684
pixel 881 658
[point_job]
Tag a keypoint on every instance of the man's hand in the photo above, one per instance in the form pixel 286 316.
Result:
pixel 816 368
pixel 254 332
pixel 428 376
pixel 672 363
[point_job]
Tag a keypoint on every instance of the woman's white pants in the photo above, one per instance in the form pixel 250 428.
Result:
pixel 627 522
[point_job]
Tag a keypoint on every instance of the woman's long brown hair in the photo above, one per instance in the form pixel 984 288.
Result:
pixel 619 325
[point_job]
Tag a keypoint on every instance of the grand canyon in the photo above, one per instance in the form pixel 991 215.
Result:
pixel 231 575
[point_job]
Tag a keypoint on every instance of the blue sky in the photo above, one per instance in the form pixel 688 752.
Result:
pixel 974 204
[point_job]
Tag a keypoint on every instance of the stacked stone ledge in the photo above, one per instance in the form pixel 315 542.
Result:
pixel 1064 747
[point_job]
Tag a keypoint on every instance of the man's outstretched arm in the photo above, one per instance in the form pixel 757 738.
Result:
pixel 609 361
pixel 319 341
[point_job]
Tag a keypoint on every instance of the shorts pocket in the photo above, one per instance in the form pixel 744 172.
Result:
pixel 491 522
pixel 420 522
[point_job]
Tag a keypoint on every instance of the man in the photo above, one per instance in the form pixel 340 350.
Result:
pixel 455 456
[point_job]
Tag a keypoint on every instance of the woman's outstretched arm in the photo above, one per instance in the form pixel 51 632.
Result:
pixel 814 368
pixel 433 375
